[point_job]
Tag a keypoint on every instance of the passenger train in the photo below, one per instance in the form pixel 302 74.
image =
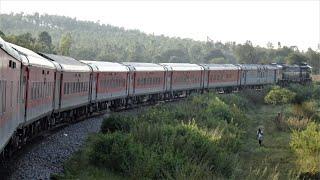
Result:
pixel 39 90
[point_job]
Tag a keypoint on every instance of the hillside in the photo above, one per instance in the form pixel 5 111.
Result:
pixel 95 41
pixel 105 42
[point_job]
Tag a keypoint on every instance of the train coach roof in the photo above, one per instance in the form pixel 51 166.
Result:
pixel 183 66
pixel 221 66
pixel 272 67
pixel 9 50
pixel 251 66
pixel 103 66
pixel 68 64
pixel 34 59
pixel 144 66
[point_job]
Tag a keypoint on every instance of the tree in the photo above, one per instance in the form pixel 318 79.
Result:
pixel 25 40
pixel 314 60
pixel 269 45
pixel 246 53
pixel 44 42
pixel 65 44
pixel 296 58
pixel 215 53
pixel 2 34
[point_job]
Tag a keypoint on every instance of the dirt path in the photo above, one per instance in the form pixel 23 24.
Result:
pixel 275 157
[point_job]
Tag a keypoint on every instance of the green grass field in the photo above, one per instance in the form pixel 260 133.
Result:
pixel 213 127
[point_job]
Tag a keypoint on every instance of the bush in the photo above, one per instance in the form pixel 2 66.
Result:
pixel 254 96
pixel 303 93
pixel 295 123
pixel 236 100
pixel 316 92
pixel 195 139
pixel 116 123
pixel 306 145
pixel 116 151
pixel 279 96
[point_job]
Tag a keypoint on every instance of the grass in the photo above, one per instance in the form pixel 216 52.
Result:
pixel 79 167
pixel 205 137
pixel 275 156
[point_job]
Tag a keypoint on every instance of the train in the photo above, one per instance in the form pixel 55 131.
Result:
pixel 41 90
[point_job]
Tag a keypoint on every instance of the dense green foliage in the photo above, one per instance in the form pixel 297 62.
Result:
pixel 198 138
pixel 206 136
pixel 95 41
pixel 279 96
pixel 172 142
pixel 306 144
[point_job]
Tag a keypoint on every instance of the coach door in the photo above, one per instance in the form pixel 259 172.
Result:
pixel 131 81
pixel 23 92
pixel 169 80
pixel 91 79
pixel 243 77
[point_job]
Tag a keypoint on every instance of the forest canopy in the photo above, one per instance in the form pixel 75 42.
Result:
pixel 96 41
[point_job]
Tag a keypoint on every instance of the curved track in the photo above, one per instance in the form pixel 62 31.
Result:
pixel 47 155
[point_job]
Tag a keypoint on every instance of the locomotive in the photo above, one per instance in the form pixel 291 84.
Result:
pixel 39 90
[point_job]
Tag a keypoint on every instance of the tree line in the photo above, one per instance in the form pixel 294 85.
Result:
pixel 95 41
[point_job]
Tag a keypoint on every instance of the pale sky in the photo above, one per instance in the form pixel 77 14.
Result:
pixel 290 22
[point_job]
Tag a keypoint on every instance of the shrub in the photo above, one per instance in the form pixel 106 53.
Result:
pixel 255 96
pixel 279 96
pixel 295 123
pixel 308 109
pixel 116 123
pixel 173 141
pixel 236 100
pixel 306 145
pixel 116 151
pixel 218 109
pixel 316 92
pixel 303 93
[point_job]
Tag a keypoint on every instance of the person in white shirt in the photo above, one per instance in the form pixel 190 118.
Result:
pixel 260 136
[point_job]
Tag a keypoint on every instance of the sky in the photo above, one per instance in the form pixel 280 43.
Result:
pixel 290 22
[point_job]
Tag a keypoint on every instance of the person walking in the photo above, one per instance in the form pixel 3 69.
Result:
pixel 260 136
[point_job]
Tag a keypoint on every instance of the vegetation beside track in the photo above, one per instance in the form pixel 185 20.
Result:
pixel 207 136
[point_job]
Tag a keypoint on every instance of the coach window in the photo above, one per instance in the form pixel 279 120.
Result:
pixel 72 87
pixel 67 88
pixel 1 97
pixel 32 90
pixel 36 90
pixel 39 84
pixel 11 92
pixel 39 92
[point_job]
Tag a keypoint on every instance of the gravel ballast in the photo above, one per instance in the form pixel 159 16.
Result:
pixel 48 155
